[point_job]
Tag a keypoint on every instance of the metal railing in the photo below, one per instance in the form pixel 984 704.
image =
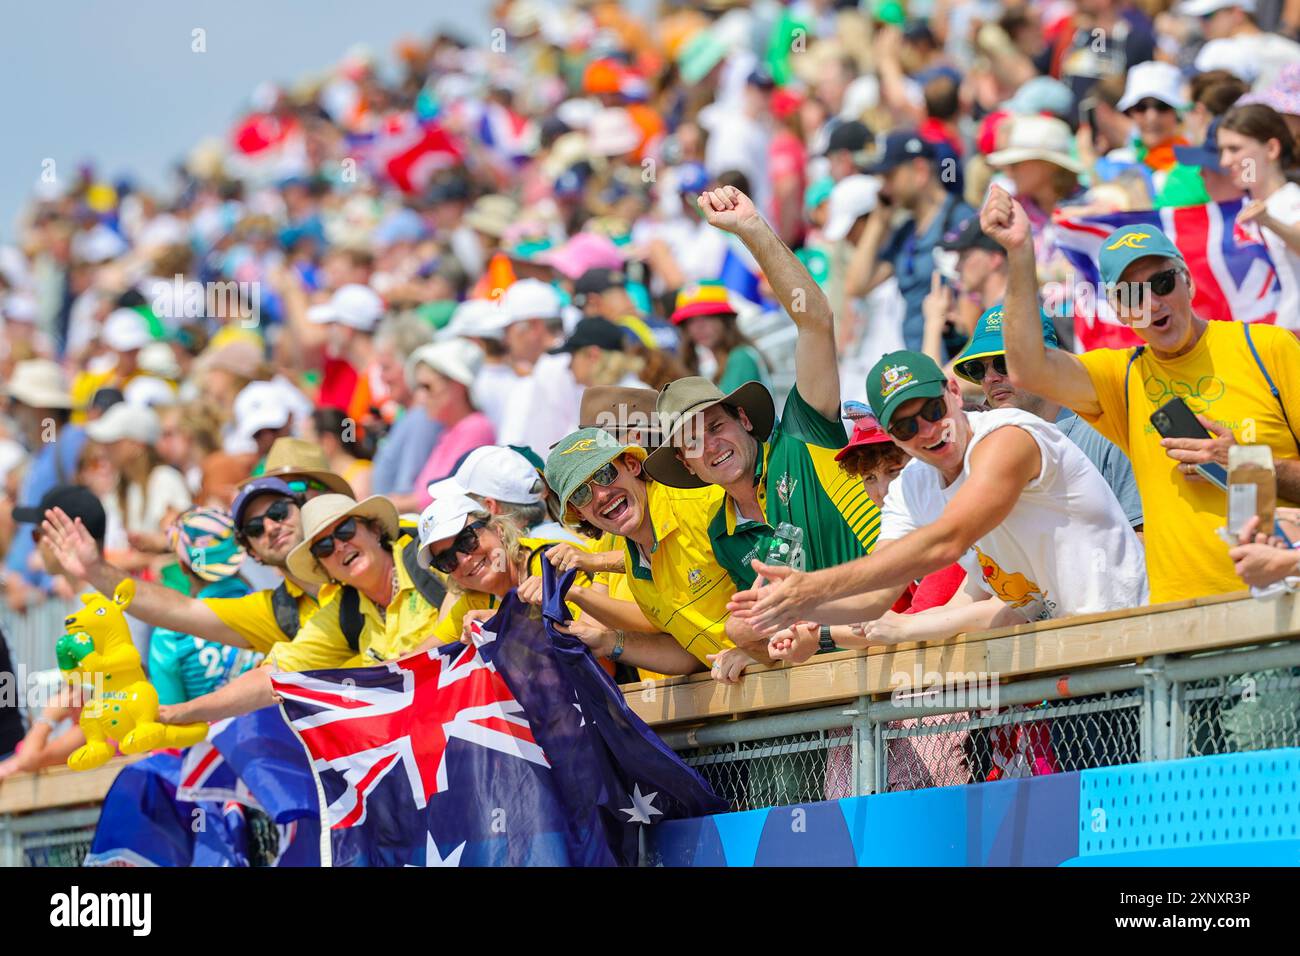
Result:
pixel 1165 708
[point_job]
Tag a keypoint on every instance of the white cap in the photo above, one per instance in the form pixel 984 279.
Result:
pixel 493 471
pixel 1203 8
pixel 530 299
pixel 1160 81
pixel 457 359
pixel 258 406
pixel 125 421
pixel 157 358
pixel 445 518
pixel 145 391
pixel 125 330
pixel 98 244
pixel 356 306
pixel 476 318
pixel 852 198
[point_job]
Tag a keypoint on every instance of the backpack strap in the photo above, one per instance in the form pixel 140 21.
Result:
pixel 1245 327
pixel 426 582
pixel 285 609
pixel 351 621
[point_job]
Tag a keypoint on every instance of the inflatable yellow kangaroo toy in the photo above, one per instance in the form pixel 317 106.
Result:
pixel 125 705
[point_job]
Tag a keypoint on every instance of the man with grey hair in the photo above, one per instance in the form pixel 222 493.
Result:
pixel 410 440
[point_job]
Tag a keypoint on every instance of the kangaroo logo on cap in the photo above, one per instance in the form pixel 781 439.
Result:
pixel 581 445
pixel 1133 240
pixel 893 378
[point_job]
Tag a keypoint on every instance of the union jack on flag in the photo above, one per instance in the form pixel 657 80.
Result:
pixel 1234 277
pixel 360 726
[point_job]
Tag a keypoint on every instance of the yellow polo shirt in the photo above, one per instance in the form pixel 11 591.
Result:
pixel 408 622
pixel 449 628
pixel 684 590
pixel 252 616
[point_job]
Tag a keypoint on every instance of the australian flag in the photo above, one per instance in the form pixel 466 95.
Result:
pixel 196 807
pixel 515 750
pixel 1235 278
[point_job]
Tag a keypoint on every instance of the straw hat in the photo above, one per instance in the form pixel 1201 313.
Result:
pixel 321 514
pixel 291 458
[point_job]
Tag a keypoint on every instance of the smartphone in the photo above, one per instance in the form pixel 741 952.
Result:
pixel 1174 419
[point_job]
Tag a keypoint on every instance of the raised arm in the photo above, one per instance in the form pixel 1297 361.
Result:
pixel 154 604
pixel 816 366
pixel 1053 374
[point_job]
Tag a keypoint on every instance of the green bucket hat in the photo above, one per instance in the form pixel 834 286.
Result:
pixel 900 377
pixel 578 456
pixel 986 340
pixel 1127 244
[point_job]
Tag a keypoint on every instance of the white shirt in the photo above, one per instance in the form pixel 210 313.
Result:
pixel 146 507
pixel 492 389
pixel 1066 547
pixel 543 408
pixel 1284 206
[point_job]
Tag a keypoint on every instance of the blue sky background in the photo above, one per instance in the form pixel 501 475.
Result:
pixel 116 82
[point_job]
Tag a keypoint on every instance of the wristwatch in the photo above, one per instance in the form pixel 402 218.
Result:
pixel 617 652
pixel 824 641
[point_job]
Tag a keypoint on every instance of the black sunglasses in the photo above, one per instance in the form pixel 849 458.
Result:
pixel 905 429
pixel 324 547
pixel 1160 106
pixel 976 369
pixel 466 543
pixel 604 476
pixel 1160 284
pixel 256 527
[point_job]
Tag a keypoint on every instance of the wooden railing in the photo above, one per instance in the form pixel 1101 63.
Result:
pixel 1053 647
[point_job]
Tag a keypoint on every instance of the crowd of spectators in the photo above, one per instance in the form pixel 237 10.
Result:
pixel 603 291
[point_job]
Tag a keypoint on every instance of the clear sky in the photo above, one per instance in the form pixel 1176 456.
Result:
pixel 117 81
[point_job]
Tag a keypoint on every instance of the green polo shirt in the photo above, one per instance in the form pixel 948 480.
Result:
pixel 799 481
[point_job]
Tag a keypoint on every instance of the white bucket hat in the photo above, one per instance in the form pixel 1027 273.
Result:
pixel 457 359
pixel 39 383
pixel 1037 137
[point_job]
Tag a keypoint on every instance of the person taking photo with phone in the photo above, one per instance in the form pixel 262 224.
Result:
pixel 1240 382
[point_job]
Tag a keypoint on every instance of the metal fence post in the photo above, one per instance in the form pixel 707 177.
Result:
pixel 864 749
pixel 11 847
pixel 1155 710
pixel 1177 719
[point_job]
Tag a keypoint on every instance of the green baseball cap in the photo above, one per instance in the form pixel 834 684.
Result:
pixel 900 377
pixel 1127 244
pixel 986 340
pixel 576 457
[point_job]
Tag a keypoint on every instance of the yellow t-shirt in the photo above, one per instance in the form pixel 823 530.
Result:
pixel 407 623
pixel 1220 379
pixel 619 585
pixel 252 616
pixel 684 591
pixel 449 627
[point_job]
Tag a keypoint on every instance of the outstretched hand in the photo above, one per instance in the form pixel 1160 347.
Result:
pixel 788 597
pixel 70 542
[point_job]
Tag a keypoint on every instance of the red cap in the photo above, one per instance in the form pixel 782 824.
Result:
pixel 866 431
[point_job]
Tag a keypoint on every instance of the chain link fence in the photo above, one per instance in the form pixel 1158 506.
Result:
pixel 50 838
pixel 777 771
pixel 1255 710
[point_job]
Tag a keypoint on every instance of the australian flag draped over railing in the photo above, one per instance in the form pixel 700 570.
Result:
pixel 1235 278
pixel 515 750
pixel 192 808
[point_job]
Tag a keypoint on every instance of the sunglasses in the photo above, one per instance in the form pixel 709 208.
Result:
pixel 256 527
pixel 466 543
pixel 1147 105
pixel 324 547
pixel 604 476
pixel 301 486
pixel 905 429
pixel 1160 284
pixel 976 369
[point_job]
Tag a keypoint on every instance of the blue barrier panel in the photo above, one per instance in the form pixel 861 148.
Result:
pixel 1236 809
